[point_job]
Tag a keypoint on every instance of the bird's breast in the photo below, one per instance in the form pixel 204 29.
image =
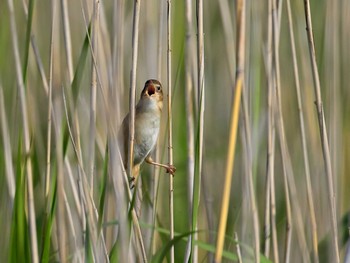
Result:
pixel 146 135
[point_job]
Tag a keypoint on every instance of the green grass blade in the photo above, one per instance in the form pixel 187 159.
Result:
pixel 45 255
pixel 28 36
pixel 78 75
pixel 166 249
pixel 103 189
pixel 89 257
pixel 197 181
pixel 19 240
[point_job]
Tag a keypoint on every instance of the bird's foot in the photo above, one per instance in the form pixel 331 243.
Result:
pixel 171 169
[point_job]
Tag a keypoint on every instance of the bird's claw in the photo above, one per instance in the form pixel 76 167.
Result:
pixel 171 169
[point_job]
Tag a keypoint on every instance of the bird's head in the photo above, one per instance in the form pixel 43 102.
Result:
pixel 153 91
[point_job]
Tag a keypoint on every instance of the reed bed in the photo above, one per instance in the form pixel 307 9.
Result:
pixel 256 121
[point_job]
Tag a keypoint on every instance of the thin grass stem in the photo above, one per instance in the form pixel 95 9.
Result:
pixel 170 129
pixel 238 248
pixel 189 113
pixel 323 130
pixel 93 92
pixel 10 176
pixel 303 138
pixel 271 224
pixel 233 128
pixel 280 124
pixel 228 29
pixel 67 38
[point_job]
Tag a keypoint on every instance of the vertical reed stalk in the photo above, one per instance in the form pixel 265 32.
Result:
pixel 93 91
pixel 200 132
pixel 48 90
pixel 323 130
pixel 132 91
pixel 249 157
pixel 61 211
pixel 270 225
pixel 233 128
pixel 10 176
pixel 280 125
pixel 156 170
pixel 67 38
pixel 135 35
pixel 49 123
pixel 303 138
pixel 228 29
pixel 189 112
pixel 170 131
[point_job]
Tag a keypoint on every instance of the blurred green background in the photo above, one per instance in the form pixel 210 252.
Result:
pixel 331 23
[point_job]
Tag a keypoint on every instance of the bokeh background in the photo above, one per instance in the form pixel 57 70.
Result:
pixel 63 228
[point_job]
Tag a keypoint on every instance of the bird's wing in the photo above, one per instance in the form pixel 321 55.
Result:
pixel 123 141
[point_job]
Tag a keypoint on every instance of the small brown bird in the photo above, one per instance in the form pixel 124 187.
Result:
pixel 147 123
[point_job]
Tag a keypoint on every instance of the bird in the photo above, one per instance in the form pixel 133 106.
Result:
pixel 147 124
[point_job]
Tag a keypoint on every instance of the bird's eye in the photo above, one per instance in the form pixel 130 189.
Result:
pixel 158 88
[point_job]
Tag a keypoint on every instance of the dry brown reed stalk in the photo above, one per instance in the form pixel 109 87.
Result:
pixel 303 138
pixel 228 33
pixel 132 91
pixel 39 64
pixel 156 169
pixel 116 92
pixel 201 108
pixel 270 210
pixel 48 155
pixel 64 214
pixel 323 130
pixel 249 164
pixel 141 247
pixel 228 29
pixel 60 234
pixel 67 38
pixel 10 176
pixel 280 124
pixel 170 130
pixel 332 83
pixel 93 91
pixel 88 205
pixel 135 35
pixel 267 218
pixel 24 113
pixel 61 212
pixel 108 118
pixel 74 231
pixel 189 113
pixel 118 50
pixel 49 93
pixel 121 185
pixel 75 250
pixel 233 127
pixel 51 119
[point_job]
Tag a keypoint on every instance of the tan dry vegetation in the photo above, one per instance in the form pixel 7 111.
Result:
pixel 65 85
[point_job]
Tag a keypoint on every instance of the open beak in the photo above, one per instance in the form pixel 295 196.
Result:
pixel 151 90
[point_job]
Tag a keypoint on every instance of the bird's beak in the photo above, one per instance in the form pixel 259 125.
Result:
pixel 151 90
